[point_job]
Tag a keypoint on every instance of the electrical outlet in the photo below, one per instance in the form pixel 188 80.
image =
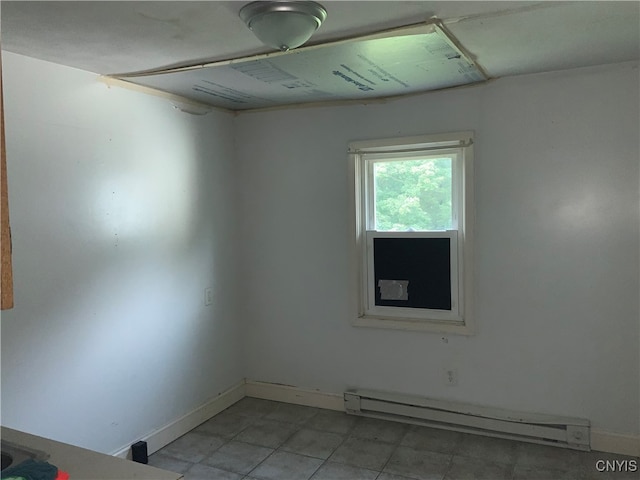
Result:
pixel 208 296
pixel 451 377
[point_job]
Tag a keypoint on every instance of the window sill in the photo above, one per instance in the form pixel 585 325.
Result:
pixel 459 328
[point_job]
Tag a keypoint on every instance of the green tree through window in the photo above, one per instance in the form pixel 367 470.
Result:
pixel 413 195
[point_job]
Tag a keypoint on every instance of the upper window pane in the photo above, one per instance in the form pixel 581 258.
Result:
pixel 413 195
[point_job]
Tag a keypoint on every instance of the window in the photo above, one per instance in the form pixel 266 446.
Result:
pixel 413 232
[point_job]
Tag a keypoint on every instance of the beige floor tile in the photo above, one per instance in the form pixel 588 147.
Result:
pixel 418 464
pixel 238 457
pixel 363 453
pixel 286 466
pixel 313 443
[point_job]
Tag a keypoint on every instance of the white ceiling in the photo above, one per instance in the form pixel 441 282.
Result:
pixel 504 38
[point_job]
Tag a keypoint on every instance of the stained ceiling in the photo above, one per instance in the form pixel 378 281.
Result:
pixel 502 38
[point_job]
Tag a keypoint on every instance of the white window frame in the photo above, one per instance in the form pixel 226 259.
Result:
pixel 370 309
pixel 363 155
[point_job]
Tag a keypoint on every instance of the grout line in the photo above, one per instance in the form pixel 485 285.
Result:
pixel 395 449
pixel 449 466
pixel 277 449
pixel 308 456
pixel 346 436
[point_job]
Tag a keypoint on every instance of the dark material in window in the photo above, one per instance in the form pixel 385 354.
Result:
pixel 424 262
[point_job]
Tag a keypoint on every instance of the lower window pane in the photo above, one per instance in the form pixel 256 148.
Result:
pixel 412 272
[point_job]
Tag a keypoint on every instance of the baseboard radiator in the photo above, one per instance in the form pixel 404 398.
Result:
pixel 544 429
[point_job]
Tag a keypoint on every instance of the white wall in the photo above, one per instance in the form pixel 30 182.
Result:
pixel 557 265
pixel 122 212
pixel 124 209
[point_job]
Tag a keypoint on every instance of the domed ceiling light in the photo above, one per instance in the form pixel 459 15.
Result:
pixel 283 25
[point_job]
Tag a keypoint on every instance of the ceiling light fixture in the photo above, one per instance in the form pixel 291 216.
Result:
pixel 283 25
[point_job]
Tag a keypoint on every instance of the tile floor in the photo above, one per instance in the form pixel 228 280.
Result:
pixel 264 440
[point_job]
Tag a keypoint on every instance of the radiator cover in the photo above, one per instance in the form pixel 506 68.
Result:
pixel 554 430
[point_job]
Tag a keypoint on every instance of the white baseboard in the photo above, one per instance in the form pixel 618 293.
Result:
pixel 615 443
pixel 290 394
pixel 600 440
pixel 174 430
